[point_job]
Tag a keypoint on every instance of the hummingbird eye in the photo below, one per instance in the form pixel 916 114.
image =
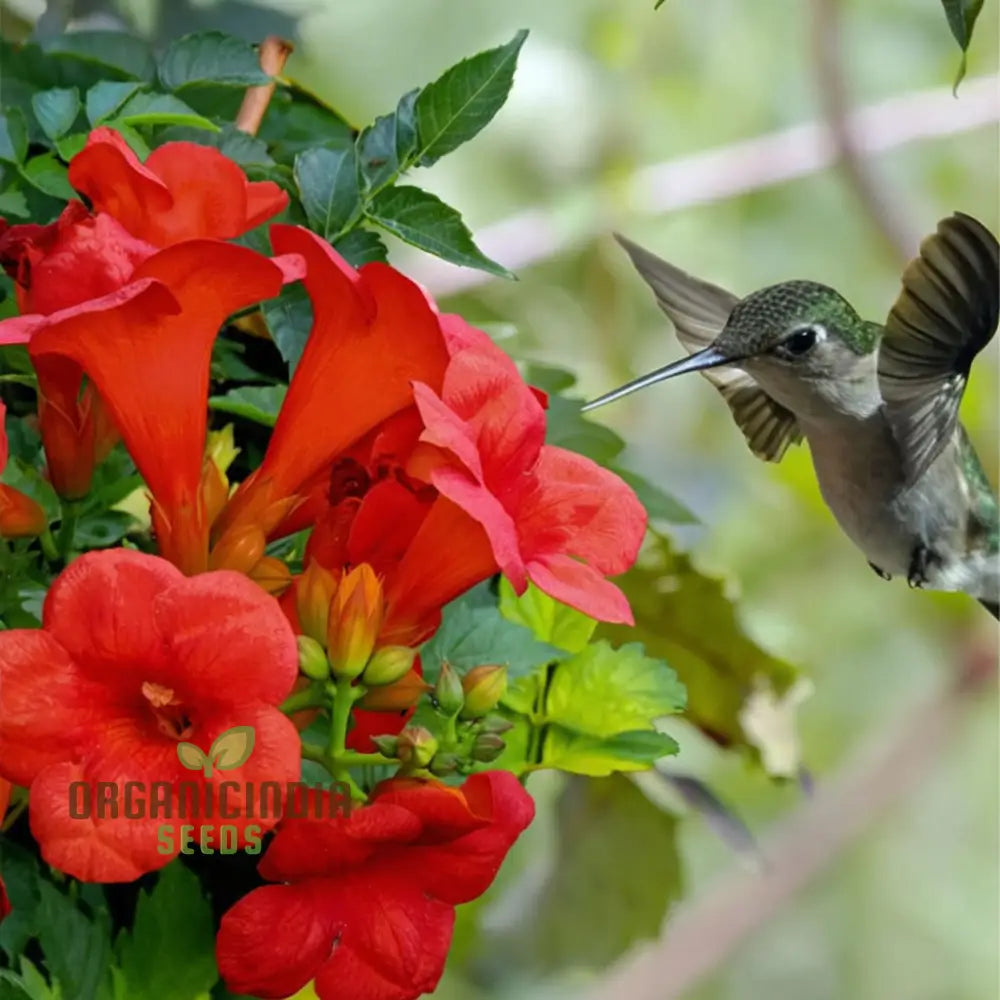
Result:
pixel 804 339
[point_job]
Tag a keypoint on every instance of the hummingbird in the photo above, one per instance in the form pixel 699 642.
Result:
pixel 876 402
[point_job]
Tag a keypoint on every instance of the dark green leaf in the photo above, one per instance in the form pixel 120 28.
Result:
pixel 472 633
pixel 548 378
pixel 56 110
pixel 360 246
pixel 297 120
pixel 160 109
pixel 210 57
pixel 47 174
pixel 566 427
pixel 423 220
pixel 13 988
pixel 659 504
pixel 385 147
pixel 129 55
pixel 457 105
pixel 77 948
pixel 327 180
pixel 99 531
pixel 259 403
pixel 13 203
pixel 20 875
pixel 632 888
pixel 169 954
pixel 962 16
pixel 105 98
pixel 230 141
pixel 686 618
pixel 13 136
pixel 289 318
pixel 70 145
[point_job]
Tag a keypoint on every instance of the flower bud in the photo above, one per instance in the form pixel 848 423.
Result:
pixel 355 621
pixel 312 658
pixel 487 748
pixel 271 574
pixel 314 590
pixel 239 549
pixel 484 687
pixel 388 746
pixel 495 724
pixel 214 490
pixel 416 747
pixel 444 763
pixel 398 697
pixel 388 665
pixel 448 690
pixel 20 516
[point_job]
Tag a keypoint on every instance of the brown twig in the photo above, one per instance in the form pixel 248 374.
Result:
pixel 704 933
pixel 876 199
pixel 274 52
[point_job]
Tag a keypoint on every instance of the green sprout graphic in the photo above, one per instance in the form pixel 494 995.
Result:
pixel 230 749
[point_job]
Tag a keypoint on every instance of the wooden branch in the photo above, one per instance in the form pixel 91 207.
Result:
pixel 274 52
pixel 536 234
pixel 701 935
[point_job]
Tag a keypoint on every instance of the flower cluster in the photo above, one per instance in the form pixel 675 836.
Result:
pixel 411 450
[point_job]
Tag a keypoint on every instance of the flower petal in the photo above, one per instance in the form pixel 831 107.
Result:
pixel 48 707
pixel 273 941
pixel 228 641
pixel 581 587
pixel 100 608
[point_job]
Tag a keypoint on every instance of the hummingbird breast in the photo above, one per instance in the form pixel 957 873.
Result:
pixel 861 477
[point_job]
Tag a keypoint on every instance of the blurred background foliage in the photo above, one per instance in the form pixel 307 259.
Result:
pixel 909 911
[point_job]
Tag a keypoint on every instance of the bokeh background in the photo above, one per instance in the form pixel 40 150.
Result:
pixel 898 886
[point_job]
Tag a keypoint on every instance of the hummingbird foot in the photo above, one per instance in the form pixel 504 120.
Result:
pixel 920 562
pixel 880 572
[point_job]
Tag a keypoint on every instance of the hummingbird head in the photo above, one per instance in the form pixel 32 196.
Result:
pixel 804 344
pixel 801 341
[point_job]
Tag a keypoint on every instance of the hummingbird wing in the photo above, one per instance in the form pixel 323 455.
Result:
pixel 944 316
pixel 699 311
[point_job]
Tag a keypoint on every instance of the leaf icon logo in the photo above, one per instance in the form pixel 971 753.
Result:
pixel 230 749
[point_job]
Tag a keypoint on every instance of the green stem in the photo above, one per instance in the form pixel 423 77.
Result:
pixel 67 530
pixel 344 697
pixel 49 548
pixel 310 697
pixel 352 758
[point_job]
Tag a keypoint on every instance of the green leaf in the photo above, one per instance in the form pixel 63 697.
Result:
pixel 289 319
pixel 548 378
pixel 56 110
pixel 327 180
pixel 210 57
pixel 298 120
pixel 49 175
pixel 160 109
pixel 385 147
pixel 230 141
pixel 360 246
pixel 604 691
pixel 20 875
pixel 597 757
pixel 473 633
pixel 548 620
pixel 423 220
pixel 686 618
pixel 457 105
pixel 13 136
pixel 77 948
pixel 616 854
pixel 259 403
pixel 566 427
pixel 103 529
pixel 659 504
pixel 105 98
pixel 70 145
pixel 13 202
pixel 130 56
pixel 169 954
pixel 962 16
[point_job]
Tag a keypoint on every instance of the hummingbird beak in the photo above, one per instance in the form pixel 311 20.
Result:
pixel 710 357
